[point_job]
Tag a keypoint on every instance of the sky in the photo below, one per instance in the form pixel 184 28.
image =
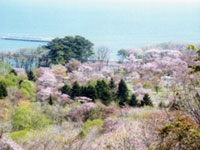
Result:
pixel 101 1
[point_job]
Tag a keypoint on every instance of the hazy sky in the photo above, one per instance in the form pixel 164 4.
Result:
pixel 102 1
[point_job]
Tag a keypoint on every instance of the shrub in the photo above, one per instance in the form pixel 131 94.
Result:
pixel 19 135
pixel 27 88
pixel 89 124
pixel 10 80
pixel 28 116
pixel 101 112
pixel 4 68
pixel 14 72
pixel 182 134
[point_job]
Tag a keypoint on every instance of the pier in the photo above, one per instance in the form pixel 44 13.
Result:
pixel 27 39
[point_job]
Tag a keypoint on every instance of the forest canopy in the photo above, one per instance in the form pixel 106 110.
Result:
pixel 61 50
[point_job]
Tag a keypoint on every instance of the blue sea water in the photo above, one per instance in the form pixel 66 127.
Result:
pixel 124 25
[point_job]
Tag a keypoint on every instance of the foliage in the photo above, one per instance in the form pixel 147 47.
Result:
pixel 19 135
pixel 122 93
pixel 101 112
pixel 27 88
pixel 195 68
pixel 5 111
pixel 50 100
pixel 76 90
pixel 182 134
pixel 4 68
pixel 10 79
pixel 14 72
pixel 103 92
pixel 123 54
pixel 112 84
pixel 63 49
pixel 28 116
pixel 77 113
pixel 89 124
pixel 146 101
pixel 89 91
pixel 133 101
pixel 3 90
pixel 30 75
pixel 66 89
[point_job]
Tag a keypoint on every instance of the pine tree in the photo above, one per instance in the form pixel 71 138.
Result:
pixel 66 90
pixel 133 101
pixel 103 92
pixel 3 90
pixel 50 100
pixel 90 92
pixel 99 87
pixel 107 97
pixel 76 90
pixel 112 84
pixel 122 93
pixel 31 76
pixel 146 101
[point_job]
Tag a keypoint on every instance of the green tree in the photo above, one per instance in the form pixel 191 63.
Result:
pixel 76 90
pixel 103 92
pixel 122 93
pixel 123 54
pixel 66 90
pixel 112 84
pixel 63 49
pixel 31 76
pixel 28 116
pixel 3 91
pixel 107 98
pixel 146 100
pixel 133 101
pixel 90 92
pixel 27 88
pixel 50 100
pixel 195 68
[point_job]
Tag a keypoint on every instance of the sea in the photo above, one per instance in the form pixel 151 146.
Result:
pixel 114 25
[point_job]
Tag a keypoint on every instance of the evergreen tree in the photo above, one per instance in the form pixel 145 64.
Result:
pixel 146 101
pixel 50 100
pixel 66 90
pixel 122 93
pixel 83 91
pixel 133 101
pixel 31 76
pixel 3 91
pixel 90 92
pixel 61 50
pixel 76 90
pixel 103 92
pixel 112 84
pixel 99 87
pixel 107 97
